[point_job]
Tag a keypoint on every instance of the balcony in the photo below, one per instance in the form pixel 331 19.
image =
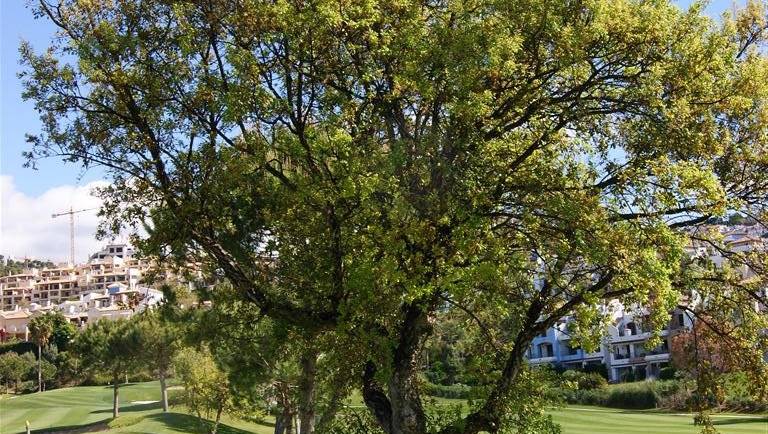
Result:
pixel 540 360
pixel 619 360
pixel 657 357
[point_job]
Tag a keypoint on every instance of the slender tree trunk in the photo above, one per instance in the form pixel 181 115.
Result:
pixel 218 419
pixel 307 385
pixel 279 426
pixel 115 397
pixel 288 421
pixel 163 391
pixel 39 367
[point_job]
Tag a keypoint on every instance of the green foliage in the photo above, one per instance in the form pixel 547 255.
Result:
pixel 356 171
pixel 10 266
pixel 206 389
pixel 639 395
pixel 14 368
pixel 107 347
pixel 599 368
pixel 667 373
pixel 585 380
pixel 16 346
pixel 453 391
pixel 41 329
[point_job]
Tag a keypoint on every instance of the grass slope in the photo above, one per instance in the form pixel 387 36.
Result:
pixel 64 409
pixel 76 407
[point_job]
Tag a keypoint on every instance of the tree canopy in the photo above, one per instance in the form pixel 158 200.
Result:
pixel 355 167
pixel 109 348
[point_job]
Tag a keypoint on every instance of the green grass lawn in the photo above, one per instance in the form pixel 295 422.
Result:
pixel 69 408
pixel 598 420
pixel 76 407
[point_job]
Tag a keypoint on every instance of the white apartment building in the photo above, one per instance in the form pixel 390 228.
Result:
pixel 50 286
pixel 114 302
pixel 623 350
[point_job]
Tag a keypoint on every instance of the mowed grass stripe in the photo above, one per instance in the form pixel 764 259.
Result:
pixel 580 420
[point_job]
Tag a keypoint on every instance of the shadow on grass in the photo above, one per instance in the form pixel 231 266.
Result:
pixel 172 422
pixel 180 422
pixel 740 420
pixel 130 408
pixel 73 429
pixel 109 386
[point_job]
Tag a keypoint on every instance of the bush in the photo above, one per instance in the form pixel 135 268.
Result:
pixel 599 368
pixel 454 391
pixel 584 380
pixel 631 396
pixel 640 395
pixel 667 373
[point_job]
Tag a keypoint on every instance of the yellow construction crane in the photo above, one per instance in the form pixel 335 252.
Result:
pixel 71 215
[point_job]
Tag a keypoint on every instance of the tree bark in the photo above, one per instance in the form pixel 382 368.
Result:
pixel 39 368
pixel 279 426
pixel 218 419
pixel 307 392
pixel 407 411
pixel 288 421
pixel 163 391
pixel 115 397
pixel 400 410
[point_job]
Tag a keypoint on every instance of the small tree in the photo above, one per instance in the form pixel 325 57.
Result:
pixel 206 389
pixel 13 368
pixel 48 372
pixel 41 329
pixel 109 347
pixel 63 331
pixel 159 340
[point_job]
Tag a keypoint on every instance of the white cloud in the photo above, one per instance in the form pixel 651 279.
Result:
pixel 27 228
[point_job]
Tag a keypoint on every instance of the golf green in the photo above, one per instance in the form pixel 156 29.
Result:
pixel 64 409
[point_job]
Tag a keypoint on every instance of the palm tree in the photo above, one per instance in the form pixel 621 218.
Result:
pixel 41 329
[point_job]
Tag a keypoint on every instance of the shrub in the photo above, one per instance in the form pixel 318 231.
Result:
pixel 454 391
pixel 631 396
pixel 640 395
pixel 600 369
pixel 584 380
pixel 667 373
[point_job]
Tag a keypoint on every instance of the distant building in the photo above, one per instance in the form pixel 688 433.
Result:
pixel 109 285
pixel 116 301
pixel 48 286
pixel 623 349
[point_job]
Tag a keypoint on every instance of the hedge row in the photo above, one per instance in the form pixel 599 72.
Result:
pixel 633 396
pixel 454 391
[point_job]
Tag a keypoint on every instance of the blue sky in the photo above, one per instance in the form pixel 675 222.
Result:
pixel 28 197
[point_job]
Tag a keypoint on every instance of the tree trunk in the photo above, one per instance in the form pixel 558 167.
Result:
pixel 307 384
pixel 400 410
pixel 39 368
pixel 218 419
pixel 288 421
pixel 115 397
pixel 163 391
pixel 279 426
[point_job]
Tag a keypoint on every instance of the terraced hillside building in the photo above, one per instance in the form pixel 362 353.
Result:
pixel 50 286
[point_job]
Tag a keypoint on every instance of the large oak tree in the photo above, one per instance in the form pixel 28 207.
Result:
pixel 353 167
